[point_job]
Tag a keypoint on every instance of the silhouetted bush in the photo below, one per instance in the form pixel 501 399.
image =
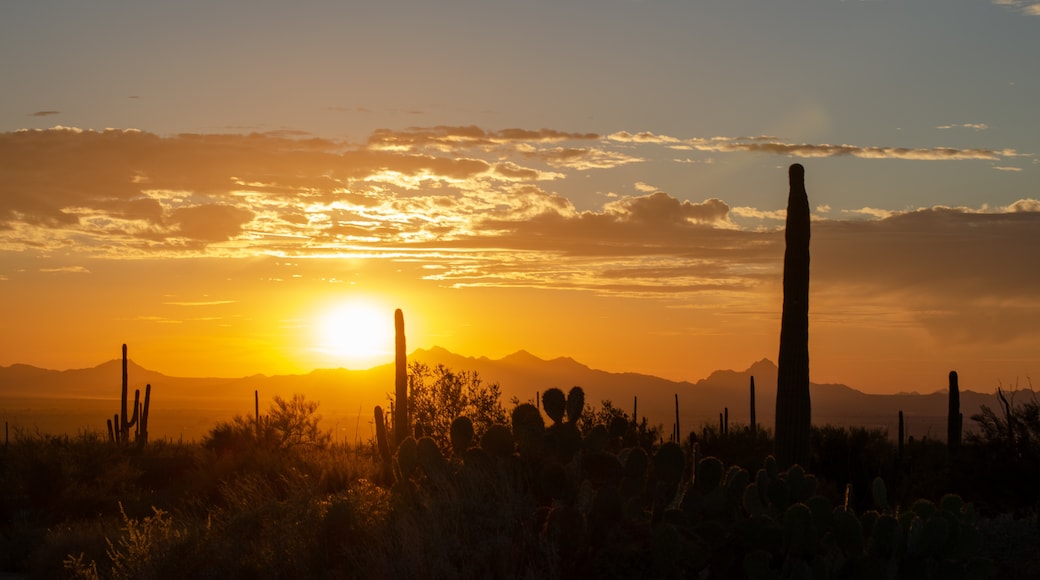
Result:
pixel 852 455
pixel 739 445
pixel 289 423
pixel 438 395
pixel 1001 461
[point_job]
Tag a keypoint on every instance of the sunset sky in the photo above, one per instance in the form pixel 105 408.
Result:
pixel 240 187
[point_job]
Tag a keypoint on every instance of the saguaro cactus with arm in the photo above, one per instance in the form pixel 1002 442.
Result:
pixel 793 407
pixel 120 425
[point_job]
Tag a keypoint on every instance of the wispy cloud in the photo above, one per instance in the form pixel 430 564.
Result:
pixel 755 213
pixel 776 146
pixel 806 150
pixel 870 211
pixel 44 113
pixel 448 137
pixel 1030 7
pixel 66 270
pixel 200 303
pixel 975 126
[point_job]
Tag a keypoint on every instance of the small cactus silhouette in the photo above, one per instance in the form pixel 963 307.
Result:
pixel 461 435
pixel 528 429
pixel 669 463
pixel 555 404
pixel 954 418
pixel 430 458
pixel 497 441
pixel 382 443
pixel 407 458
pixel 575 404
pixel 754 417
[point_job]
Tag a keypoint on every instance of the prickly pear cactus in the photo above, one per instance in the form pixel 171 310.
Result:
pixel 429 457
pixel 709 474
pixel 879 493
pixel 555 404
pixel 575 404
pixel 635 463
pixel 497 441
pixel 407 458
pixel 669 463
pixel 528 429
pixel 462 434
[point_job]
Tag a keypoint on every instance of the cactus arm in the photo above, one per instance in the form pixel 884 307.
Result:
pixel 142 422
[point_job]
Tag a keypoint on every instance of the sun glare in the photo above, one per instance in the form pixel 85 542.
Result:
pixel 356 334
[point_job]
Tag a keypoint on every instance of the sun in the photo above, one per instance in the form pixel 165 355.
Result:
pixel 355 334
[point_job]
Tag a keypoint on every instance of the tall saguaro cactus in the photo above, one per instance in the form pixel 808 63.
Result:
pixel 119 426
pixel 401 380
pixel 954 418
pixel 793 407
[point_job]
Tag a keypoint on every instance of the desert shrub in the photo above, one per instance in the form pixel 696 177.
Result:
pixel 142 544
pixel 603 415
pixel 438 395
pixel 738 445
pixel 163 466
pixel 294 422
pixel 477 523
pixel 851 455
pixel 62 477
pixel 265 528
pixel 233 437
pixel 71 550
pixel 1016 426
pixel 289 423
pixel 1014 544
pixel 925 471
pixel 267 514
pixel 1000 462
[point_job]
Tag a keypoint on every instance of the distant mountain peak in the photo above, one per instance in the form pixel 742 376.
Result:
pixel 521 357
pixel 764 366
pixel 764 371
pixel 433 350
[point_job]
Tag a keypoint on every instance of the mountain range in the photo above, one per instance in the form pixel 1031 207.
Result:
pixel 35 399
